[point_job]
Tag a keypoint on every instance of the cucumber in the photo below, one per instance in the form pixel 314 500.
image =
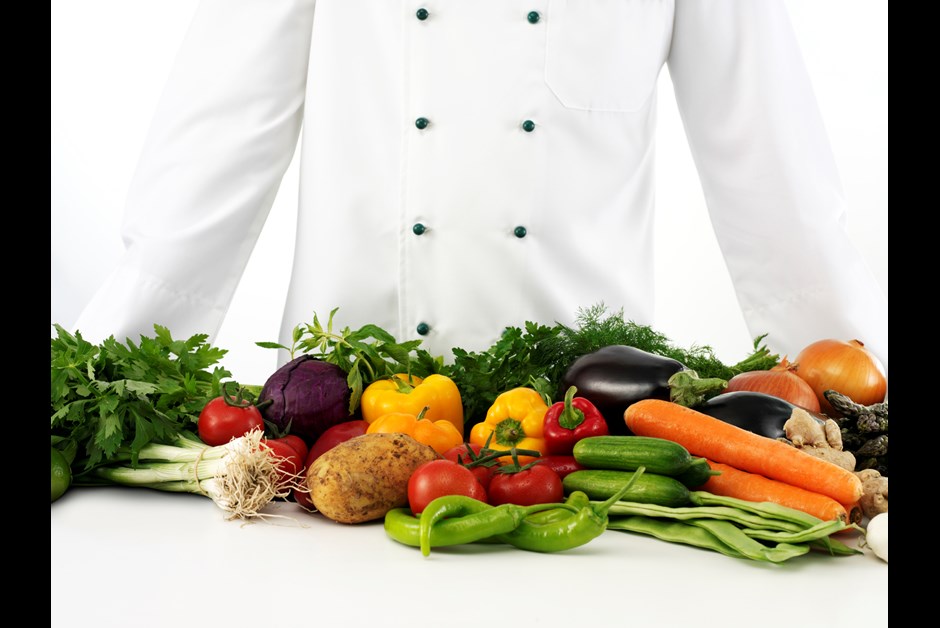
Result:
pixel 629 453
pixel 650 488
pixel 697 473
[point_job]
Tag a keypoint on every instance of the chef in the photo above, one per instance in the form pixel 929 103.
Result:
pixel 471 164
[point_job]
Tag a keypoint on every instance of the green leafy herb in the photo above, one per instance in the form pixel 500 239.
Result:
pixel 111 397
pixel 367 354
pixel 514 360
pixel 535 355
pixel 538 355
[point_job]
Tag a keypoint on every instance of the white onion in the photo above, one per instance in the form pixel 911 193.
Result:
pixel 876 535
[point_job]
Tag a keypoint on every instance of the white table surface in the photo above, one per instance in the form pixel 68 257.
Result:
pixel 132 557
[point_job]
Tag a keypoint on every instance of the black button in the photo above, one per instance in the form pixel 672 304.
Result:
pixel 533 17
pixel 528 126
pixel 418 228
pixel 422 123
pixel 519 231
pixel 422 14
pixel 423 329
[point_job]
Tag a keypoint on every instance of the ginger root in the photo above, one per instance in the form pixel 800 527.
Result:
pixel 822 440
pixel 874 499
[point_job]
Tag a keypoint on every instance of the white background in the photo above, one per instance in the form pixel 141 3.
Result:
pixel 110 58
pixel 165 554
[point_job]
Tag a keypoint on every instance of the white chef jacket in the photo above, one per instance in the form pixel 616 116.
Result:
pixel 472 164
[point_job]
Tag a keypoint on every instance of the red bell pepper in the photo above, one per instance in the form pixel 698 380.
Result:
pixel 568 421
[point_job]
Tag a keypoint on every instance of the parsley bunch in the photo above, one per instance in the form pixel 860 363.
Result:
pixel 109 400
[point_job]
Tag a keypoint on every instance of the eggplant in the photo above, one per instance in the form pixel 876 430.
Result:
pixel 753 411
pixel 616 376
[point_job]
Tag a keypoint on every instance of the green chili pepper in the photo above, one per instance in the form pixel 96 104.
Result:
pixel 490 520
pixel 573 531
pixel 402 526
pixel 577 500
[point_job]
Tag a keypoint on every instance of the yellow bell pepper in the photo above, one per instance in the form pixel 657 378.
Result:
pixel 410 394
pixel 440 435
pixel 515 419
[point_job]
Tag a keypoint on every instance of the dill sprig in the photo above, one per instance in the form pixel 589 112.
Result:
pixel 538 355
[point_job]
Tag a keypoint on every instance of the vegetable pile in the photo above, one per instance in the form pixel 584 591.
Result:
pixel 542 442
pixel 124 413
pixel 542 353
pixel 111 400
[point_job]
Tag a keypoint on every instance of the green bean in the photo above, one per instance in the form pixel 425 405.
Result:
pixel 819 531
pixel 674 532
pixel 764 509
pixel 684 513
pixel 733 527
pixel 733 536
pixel 818 536
pixel 834 547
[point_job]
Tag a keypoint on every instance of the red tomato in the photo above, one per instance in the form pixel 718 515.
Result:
pixel 459 455
pixel 538 484
pixel 290 463
pixel 335 435
pixel 438 478
pixel 220 422
pixel 560 464
pixel 299 445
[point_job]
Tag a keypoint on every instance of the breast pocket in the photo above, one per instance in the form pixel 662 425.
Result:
pixel 605 55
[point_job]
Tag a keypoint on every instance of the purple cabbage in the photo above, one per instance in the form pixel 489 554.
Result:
pixel 307 394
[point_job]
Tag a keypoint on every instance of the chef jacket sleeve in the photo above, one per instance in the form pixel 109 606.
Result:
pixel 769 178
pixel 222 136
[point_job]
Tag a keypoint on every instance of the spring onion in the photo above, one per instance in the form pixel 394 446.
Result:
pixel 241 476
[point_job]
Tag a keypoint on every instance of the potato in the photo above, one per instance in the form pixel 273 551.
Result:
pixel 364 477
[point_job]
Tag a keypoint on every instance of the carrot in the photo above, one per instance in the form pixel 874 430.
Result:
pixel 722 442
pixel 756 488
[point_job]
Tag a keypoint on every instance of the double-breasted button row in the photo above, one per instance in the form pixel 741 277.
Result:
pixel 421 123
pixel 420 229
pixel 532 16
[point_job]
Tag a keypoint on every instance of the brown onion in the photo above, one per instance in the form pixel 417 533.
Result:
pixel 844 366
pixel 781 381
